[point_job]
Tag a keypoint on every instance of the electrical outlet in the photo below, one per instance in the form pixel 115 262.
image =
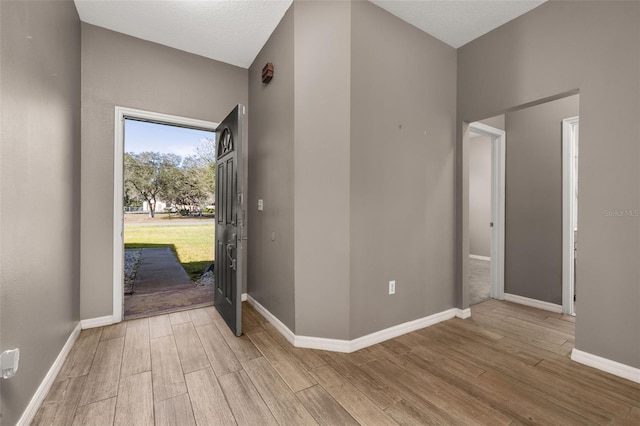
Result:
pixel 9 363
pixel 392 287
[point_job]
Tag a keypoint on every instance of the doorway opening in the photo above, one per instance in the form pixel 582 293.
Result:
pixel 570 142
pixel 486 211
pixel 163 213
pixel 538 230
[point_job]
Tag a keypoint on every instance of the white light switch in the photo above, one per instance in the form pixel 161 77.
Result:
pixel 260 205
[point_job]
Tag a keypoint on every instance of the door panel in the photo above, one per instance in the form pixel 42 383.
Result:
pixel 229 268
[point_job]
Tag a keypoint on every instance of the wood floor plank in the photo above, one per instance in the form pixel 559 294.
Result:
pixel 136 357
pixel 168 378
pixel 114 331
pixel 140 322
pixel 324 409
pixel 282 402
pixel 174 411
pixel 97 413
pixel 247 406
pixel 309 358
pixel 439 400
pixel 102 381
pixel 530 406
pixel 199 317
pixel 221 357
pixel 376 391
pixel 242 347
pixel 78 362
pixel 61 402
pixel 179 317
pixel 406 414
pixel 160 326
pixel 190 350
pixel 135 401
pixel 292 373
pixel 207 399
pixel 350 398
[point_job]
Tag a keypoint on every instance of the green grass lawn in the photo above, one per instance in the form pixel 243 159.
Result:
pixel 192 244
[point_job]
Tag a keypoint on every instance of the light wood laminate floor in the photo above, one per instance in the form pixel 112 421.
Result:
pixel 506 365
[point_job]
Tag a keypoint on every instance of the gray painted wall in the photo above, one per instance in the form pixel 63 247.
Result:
pixel 533 200
pixel 322 52
pixel 40 190
pixel 556 48
pixel 480 196
pixel 402 171
pixel 129 72
pixel 271 260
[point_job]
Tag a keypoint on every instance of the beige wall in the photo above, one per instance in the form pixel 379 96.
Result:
pixel 557 48
pixel 322 50
pixel 480 196
pixel 129 72
pixel 533 200
pixel 271 260
pixel 403 97
pixel 40 190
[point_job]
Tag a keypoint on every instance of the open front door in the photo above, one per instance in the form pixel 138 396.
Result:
pixel 229 267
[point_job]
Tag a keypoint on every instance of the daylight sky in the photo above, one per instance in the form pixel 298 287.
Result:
pixel 140 136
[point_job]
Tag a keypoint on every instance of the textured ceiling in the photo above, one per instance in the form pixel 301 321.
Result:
pixel 234 31
pixel 228 31
pixel 457 22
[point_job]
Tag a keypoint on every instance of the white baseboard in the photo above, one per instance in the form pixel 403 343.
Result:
pixel 36 401
pixel 348 346
pixel 477 257
pixel 279 325
pixel 604 364
pixel 96 322
pixel 244 297
pixel 533 303
pixel 463 313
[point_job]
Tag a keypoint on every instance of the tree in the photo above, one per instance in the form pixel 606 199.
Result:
pixel 151 175
pixel 206 154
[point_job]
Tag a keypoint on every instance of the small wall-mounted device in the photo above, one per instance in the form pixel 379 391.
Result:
pixel 260 205
pixel 267 73
pixel 9 363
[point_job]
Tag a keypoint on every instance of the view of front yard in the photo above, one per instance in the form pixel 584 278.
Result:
pixel 193 244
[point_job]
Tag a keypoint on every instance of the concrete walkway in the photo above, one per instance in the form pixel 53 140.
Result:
pixel 160 270
pixel 162 285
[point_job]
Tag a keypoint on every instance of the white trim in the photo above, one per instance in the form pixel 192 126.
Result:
pixel 569 209
pixel 244 297
pixel 118 170
pixel 283 329
pixel 604 364
pixel 97 322
pixel 477 257
pixel 463 313
pixel 41 393
pixel 348 346
pixel 498 159
pixel 534 303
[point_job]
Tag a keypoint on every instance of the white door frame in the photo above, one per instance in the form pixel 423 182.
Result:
pixel 498 143
pixel 569 210
pixel 118 187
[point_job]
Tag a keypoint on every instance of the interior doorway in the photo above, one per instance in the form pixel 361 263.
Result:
pixel 486 212
pixel 170 208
